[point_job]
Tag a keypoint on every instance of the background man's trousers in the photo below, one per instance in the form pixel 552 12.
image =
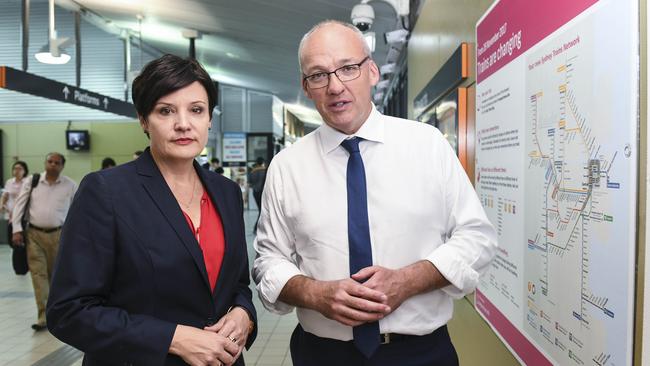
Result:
pixel 42 248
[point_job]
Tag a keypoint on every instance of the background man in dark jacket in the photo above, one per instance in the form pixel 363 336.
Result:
pixel 256 179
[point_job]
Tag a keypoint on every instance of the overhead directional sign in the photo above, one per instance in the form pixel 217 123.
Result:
pixel 39 86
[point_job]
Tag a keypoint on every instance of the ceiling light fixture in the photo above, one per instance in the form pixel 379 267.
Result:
pixel 192 35
pixel 396 36
pixel 387 69
pixel 53 52
pixel 392 55
pixel 382 84
pixel 46 56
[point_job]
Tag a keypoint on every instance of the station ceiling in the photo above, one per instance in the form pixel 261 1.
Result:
pixel 249 43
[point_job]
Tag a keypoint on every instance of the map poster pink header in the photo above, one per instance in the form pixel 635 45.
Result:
pixel 513 26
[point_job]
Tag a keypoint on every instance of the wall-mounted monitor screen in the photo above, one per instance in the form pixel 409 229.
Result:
pixel 78 140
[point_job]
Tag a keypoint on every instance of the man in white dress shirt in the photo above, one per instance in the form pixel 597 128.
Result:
pixel 430 239
pixel 48 207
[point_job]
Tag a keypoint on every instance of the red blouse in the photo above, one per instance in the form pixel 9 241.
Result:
pixel 210 236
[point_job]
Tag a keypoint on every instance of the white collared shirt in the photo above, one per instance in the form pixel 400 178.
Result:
pixel 421 205
pixel 49 204
pixel 12 190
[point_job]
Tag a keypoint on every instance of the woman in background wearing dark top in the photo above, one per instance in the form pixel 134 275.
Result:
pixel 153 268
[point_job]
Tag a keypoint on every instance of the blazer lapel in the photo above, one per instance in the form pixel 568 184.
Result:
pixel 162 196
pixel 225 212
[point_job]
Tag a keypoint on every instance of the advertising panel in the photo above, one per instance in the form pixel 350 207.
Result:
pixel 556 168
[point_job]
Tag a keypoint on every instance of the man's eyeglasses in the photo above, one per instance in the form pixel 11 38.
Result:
pixel 344 73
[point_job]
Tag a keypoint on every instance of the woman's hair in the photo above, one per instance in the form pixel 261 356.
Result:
pixel 23 164
pixel 166 75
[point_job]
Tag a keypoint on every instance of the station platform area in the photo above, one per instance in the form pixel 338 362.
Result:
pixel 21 346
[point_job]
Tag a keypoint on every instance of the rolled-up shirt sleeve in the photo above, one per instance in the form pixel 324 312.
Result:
pixel 275 246
pixel 472 240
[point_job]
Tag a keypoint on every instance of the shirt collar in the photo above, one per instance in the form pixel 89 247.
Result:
pixel 372 130
pixel 42 179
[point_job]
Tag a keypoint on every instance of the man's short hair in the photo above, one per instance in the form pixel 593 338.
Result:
pixel 215 160
pixel 166 75
pixel 56 153
pixel 366 48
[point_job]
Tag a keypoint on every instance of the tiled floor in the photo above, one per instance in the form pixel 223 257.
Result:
pixel 271 348
pixel 20 345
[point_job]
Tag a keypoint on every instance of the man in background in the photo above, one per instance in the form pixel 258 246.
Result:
pixel 46 206
pixel 108 162
pixel 215 163
pixel 256 179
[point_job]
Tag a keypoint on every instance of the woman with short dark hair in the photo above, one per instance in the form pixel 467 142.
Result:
pixel 108 163
pixel 153 268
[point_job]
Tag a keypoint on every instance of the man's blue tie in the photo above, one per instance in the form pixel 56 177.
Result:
pixel 366 336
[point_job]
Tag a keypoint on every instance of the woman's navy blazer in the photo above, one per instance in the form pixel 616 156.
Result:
pixel 129 268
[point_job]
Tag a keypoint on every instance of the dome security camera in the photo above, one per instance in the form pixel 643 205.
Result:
pixel 362 16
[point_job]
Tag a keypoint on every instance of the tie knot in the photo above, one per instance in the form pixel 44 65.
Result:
pixel 351 145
